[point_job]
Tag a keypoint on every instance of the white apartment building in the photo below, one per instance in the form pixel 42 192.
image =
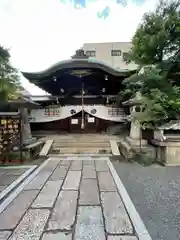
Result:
pixel 111 53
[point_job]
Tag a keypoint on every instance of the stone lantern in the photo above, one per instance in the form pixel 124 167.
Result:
pixel 135 135
pixel 23 104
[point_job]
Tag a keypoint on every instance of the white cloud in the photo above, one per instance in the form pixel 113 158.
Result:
pixel 42 32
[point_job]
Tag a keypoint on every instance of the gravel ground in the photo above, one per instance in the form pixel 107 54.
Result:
pixel 155 192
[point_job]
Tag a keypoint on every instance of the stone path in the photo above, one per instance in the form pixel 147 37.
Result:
pixel 8 175
pixel 68 199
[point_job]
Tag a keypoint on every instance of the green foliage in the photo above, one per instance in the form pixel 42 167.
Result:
pixel 156 49
pixel 9 79
pixel 158 36
pixel 159 107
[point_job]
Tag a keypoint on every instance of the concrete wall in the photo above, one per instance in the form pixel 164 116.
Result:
pixel 103 53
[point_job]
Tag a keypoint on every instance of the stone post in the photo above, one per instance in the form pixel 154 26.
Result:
pixel 26 130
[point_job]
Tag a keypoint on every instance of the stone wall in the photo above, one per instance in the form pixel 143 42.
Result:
pixel 167 152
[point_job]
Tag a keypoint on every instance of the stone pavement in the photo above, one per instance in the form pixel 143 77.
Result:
pixel 68 199
pixel 8 175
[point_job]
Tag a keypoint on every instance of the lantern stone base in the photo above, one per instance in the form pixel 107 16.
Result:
pixel 136 142
pixel 130 147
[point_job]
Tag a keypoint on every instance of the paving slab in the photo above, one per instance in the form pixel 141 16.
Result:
pixel 76 165
pixel 122 238
pixel 89 223
pixel 10 217
pixel 48 194
pixel 89 166
pixel 3 187
pixel 89 192
pixel 63 215
pixel 88 162
pixel 55 158
pixel 57 236
pixel 50 166
pixel 4 235
pixel 65 162
pixel 116 218
pixel 106 182
pixel 103 158
pixel 32 225
pixel 101 165
pixel 39 181
pixel 88 171
pixel 7 179
pixel 75 157
pixel 72 180
pixel 2 172
pixel 59 173
pixel 72 158
pixel 15 172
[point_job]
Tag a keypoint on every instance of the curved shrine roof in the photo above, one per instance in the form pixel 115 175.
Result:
pixel 90 63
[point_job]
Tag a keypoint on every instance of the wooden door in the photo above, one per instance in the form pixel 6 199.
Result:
pixel 90 124
pixel 75 123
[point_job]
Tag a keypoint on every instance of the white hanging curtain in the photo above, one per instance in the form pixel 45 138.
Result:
pixel 104 112
pixel 38 115
pixel 99 111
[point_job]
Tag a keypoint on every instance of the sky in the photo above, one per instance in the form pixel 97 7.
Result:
pixel 40 33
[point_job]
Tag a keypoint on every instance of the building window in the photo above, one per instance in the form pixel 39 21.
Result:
pixel 115 52
pixel 115 112
pixel 91 53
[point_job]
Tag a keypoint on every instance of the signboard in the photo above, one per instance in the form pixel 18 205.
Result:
pixel 91 119
pixel 74 121
pixel 10 131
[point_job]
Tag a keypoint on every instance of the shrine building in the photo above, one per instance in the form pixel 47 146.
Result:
pixel 82 96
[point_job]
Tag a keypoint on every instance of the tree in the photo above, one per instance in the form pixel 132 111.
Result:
pixel 156 49
pixel 9 79
pixel 158 36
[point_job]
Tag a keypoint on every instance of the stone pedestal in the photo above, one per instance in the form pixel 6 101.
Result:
pixel 135 137
pixel 135 131
pixel 136 142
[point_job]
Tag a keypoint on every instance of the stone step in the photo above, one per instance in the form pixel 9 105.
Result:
pixel 78 144
pixel 81 144
pixel 84 148
pixel 81 155
pixel 82 140
pixel 81 150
